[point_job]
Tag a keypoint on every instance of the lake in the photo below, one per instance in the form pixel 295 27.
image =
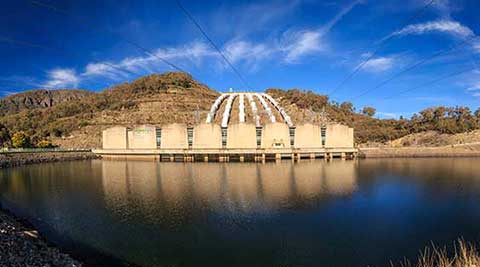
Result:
pixel 310 213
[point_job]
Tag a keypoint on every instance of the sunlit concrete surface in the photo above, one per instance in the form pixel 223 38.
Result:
pixel 275 135
pixel 142 137
pixel 115 138
pixel 241 135
pixel 174 136
pixel 308 136
pixel 207 135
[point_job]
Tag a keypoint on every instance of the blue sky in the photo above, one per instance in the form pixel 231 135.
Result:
pixel 307 44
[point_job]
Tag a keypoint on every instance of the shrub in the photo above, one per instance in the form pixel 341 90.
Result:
pixel 20 140
pixel 45 144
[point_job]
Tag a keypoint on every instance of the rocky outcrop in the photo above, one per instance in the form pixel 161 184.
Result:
pixel 40 98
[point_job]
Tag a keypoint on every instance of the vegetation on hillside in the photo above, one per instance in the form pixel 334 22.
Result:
pixel 39 125
pixel 449 120
pixel 176 97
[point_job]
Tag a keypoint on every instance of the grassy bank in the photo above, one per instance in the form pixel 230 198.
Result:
pixel 465 255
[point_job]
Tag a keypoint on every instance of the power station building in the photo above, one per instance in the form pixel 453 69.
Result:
pixel 260 131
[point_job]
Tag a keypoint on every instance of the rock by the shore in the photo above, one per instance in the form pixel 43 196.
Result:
pixel 18 159
pixel 20 246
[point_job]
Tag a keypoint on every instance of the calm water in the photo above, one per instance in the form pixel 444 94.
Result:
pixel 340 213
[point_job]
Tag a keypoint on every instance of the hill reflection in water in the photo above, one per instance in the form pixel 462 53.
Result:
pixel 177 188
pixel 338 213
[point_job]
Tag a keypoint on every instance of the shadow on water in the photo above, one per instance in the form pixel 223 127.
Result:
pixel 342 213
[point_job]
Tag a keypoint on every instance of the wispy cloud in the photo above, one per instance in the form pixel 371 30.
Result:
pixel 289 47
pixel 379 64
pixel 474 87
pixel 296 45
pixel 443 26
pixel 58 78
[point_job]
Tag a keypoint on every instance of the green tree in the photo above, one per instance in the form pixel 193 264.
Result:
pixel 20 140
pixel 369 111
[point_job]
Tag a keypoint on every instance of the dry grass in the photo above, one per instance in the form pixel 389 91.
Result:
pixel 465 255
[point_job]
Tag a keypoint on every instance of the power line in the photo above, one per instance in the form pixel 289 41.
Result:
pixel 413 66
pixel 189 16
pixel 136 45
pixel 432 82
pixel 382 43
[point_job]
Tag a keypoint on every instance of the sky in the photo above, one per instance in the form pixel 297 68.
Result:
pixel 399 56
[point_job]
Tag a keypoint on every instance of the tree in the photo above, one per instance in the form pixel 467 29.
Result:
pixel 347 107
pixel 369 111
pixel 477 113
pixel 20 140
pixel 4 136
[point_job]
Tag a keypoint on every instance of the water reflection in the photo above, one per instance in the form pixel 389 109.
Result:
pixel 222 187
pixel 339 213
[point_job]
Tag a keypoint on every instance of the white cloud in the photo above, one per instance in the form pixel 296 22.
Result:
pixel 289 47
pixel 295 45
pixel 474 87
pixel 379 64
pixel 444 26
pixel 58 78
pixel 250 53
pixel 327 27
pixel 193 52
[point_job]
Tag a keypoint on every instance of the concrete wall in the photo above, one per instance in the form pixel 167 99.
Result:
pixel 174 136
pixel 338 135
pixel 207 135
pixel 275 135
pixel 142 137
pixel 115 138
pixel 308 136
pixel 241 135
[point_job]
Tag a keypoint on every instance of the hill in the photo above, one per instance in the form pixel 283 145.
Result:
pixel 155 99
pixel 75 118
pixel 41 98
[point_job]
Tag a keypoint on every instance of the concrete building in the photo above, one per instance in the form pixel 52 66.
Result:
pixel 174 136
pixel 338 136
pixel 207 135
pixel 239 139
pixel 275 135
pixel 308 136
pixel 241 136
pixel 142 137
pixel 115 138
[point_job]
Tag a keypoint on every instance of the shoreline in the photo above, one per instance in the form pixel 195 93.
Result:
pixel 472 150
pixel 22 245
pixel 15 159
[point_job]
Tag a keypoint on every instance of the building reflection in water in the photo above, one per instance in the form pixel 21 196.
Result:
pixel 185 189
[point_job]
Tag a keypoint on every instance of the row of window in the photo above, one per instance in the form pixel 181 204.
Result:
pixel 224 136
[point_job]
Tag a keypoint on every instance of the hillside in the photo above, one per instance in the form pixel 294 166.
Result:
pixel 75 118
pixel 41 98
pixel 155 99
